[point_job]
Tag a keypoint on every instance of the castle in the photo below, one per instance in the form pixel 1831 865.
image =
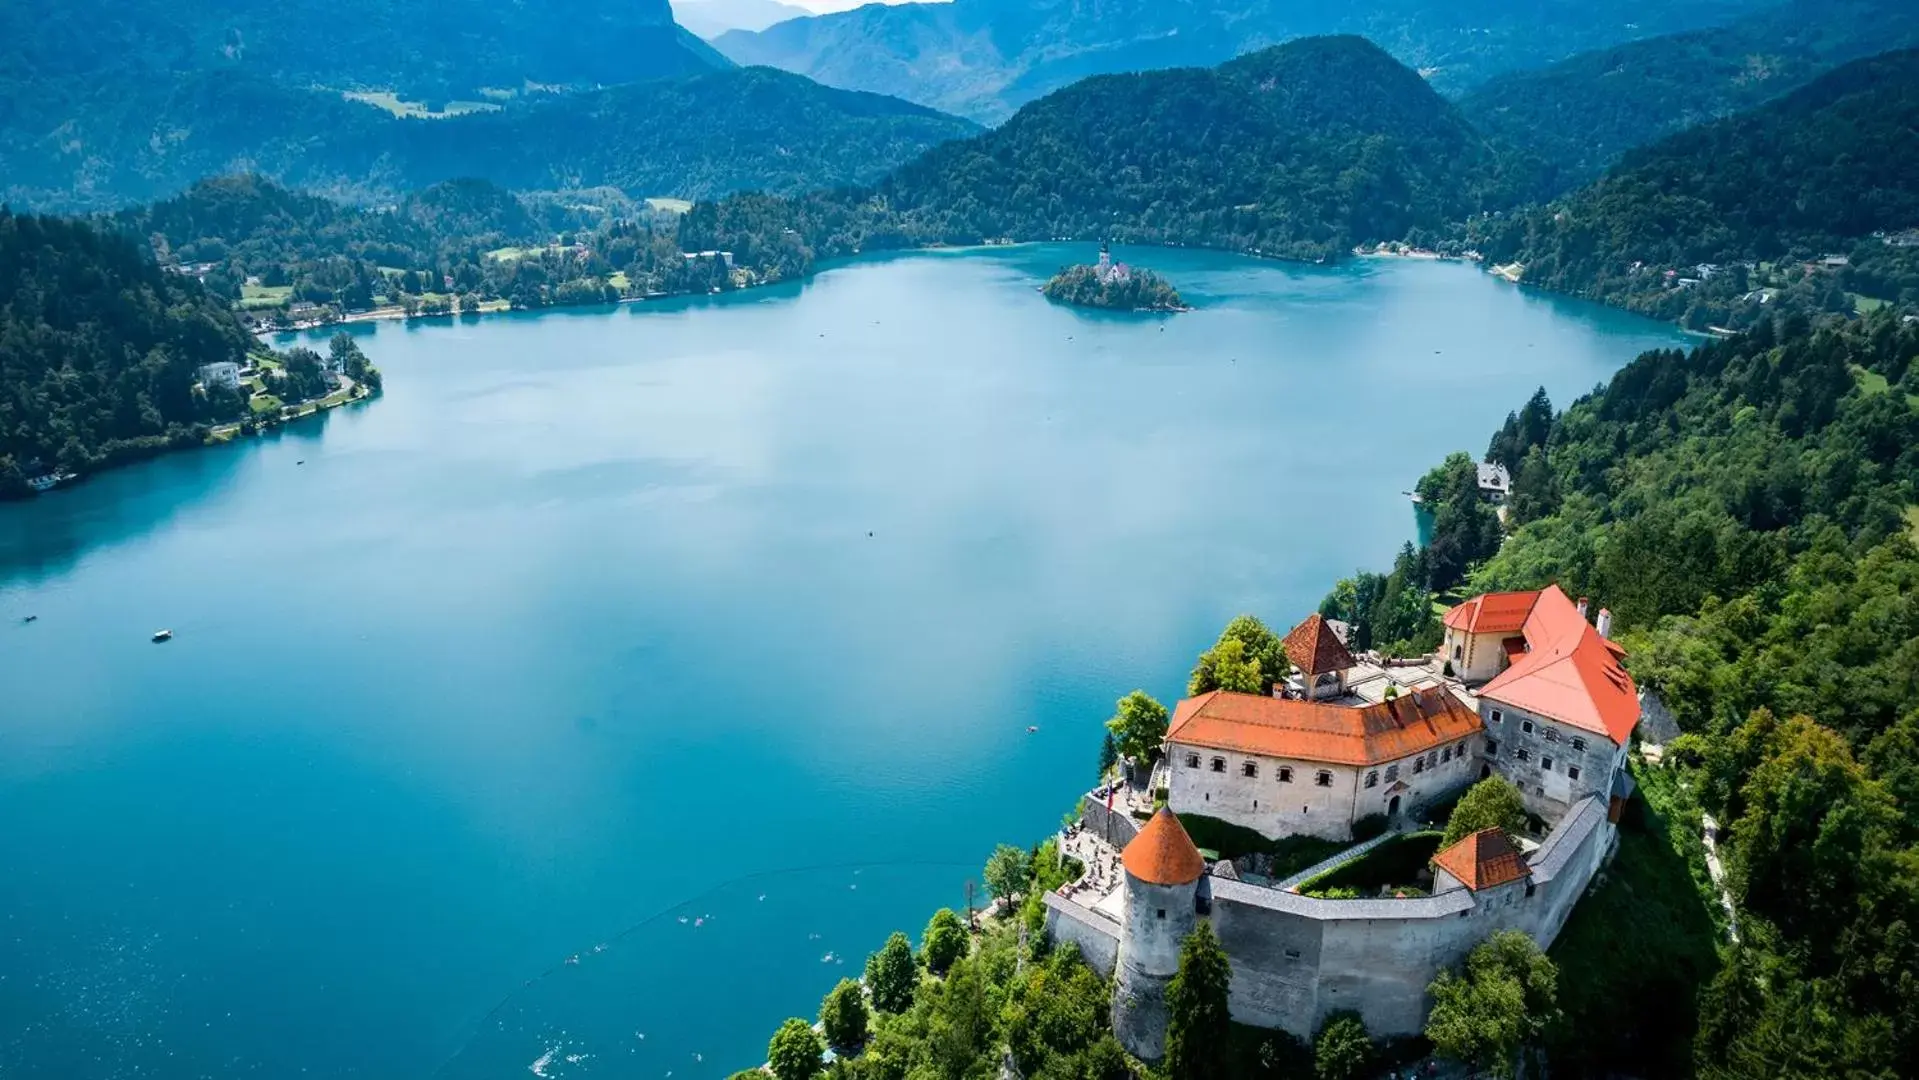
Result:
pixel 1522 686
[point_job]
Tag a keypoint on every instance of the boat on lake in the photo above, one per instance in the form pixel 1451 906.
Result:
pixel 162 635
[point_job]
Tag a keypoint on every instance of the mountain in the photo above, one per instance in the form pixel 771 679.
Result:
pixel 1579 115
pixel 99 350
pixel 458 48
pixel 985 58
pixel 1300 150
pixel 711 18
pixel 694 136
pixel 1811 173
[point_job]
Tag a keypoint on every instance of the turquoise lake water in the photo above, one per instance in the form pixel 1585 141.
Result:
pixel 696 640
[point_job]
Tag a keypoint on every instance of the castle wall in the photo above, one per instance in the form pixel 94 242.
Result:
pixel 1096 935
pixel 1115 826
pixel 1297 959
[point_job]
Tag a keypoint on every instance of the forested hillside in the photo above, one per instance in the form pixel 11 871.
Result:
pixel 691 137
pixel 1698 224
pixel 467 245
pixel 1579 115
pixel 986 58
pixel 99 350
pixel 1747 511
pixel 458 49
pixel 1299 150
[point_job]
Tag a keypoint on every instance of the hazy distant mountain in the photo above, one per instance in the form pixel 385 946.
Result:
pixel 711 18
pixel 449 49
pixel 1580 115
pixel 984 58
pixel 695 136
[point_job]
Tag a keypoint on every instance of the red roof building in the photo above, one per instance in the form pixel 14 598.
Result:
pixel 1568 672
pixel 1484 860
pixel 1310 731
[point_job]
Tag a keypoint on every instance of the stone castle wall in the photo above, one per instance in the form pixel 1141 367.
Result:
pixel 1296 959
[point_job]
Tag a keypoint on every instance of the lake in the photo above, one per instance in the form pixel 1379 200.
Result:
pixel 608 689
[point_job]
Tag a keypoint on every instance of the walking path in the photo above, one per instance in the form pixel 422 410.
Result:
pixel 1398 826
pixel 1710 834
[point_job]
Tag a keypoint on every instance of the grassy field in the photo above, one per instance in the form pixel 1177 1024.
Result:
pixel 671 206
pixel 266 405
pixel 1912 522
pixel 254 297
pixel 389 101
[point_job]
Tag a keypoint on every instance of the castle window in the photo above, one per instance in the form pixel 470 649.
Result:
pixel 1572 772
pixel 1578 743
pixel 1292 954
pixel 1492 748
pixel 1446 754
pixel 1323 779
pixel 1526 726
pixel 1552 734
pixel 1372 778
pixel 1285 774
pixel 1219 764
pixel 1457 651
pixel 1248 768
pixel 1531 888
pixel 1523 754
pixel 1432 760
pixel 1162 913
pixel 1419 765
pixel 1546 763
pixel 1498 717
pixel 1392 773
pixel 1538 790
pixel 1192 761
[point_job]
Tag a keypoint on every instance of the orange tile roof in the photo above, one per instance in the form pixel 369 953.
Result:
pixel 1411 723
pixel 1568 673
pixel 1162 853
pixel 1492 613
pixel 1315 649
pixel 1483 860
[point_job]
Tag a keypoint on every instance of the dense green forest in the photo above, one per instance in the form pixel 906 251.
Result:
pixel 986 58
pixel 1129 289
pixel 1747 511
pixel 694 136
pixel 1579 115
pixel 1300 150
pixel 1695 226
pixel 99 351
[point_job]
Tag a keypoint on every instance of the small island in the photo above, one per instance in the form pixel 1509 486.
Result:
pixel 1114 286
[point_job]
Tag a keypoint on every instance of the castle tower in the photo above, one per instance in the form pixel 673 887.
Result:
pixel 1163 870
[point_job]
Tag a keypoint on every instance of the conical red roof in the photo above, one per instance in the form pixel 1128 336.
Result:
pixel 1162 853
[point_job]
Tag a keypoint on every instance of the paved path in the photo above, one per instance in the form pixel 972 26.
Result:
pixel 1345 856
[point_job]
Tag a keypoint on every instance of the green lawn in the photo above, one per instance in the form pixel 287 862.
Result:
pixel 671 206
pixel 1865 305
pixel 1870 381
pixel 1912 521
pixel 391 102
pixel 618 280
pixel 1396 862
pixel 1290 854
pixel 254 297
pixel 265 405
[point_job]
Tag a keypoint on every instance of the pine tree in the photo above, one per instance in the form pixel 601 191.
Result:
pixel 1198 1023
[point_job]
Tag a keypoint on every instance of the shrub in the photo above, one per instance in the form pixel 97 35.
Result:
pixel 1369 826
pixel 944 941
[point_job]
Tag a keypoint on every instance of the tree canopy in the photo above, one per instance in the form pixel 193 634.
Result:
pixel 1505 996
pixel 1198 1023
